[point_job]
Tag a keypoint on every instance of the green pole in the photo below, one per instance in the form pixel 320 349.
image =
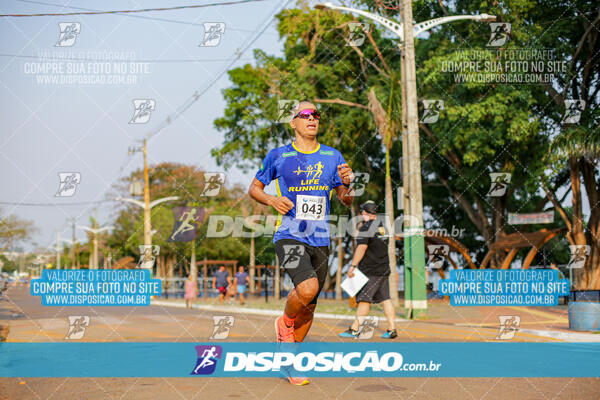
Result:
pixel 419 283
pixel 407 278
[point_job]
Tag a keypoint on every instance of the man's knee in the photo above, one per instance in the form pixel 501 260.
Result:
pixel 307 290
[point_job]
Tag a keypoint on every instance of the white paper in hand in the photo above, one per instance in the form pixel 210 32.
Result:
pixel 354 284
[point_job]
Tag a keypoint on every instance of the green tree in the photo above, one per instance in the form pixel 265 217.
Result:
pixel 482 129
pixel 14 230
pixel 575 147
pixel 187 182
pixel 7 265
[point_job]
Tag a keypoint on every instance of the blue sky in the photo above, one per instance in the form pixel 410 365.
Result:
pixel 50 128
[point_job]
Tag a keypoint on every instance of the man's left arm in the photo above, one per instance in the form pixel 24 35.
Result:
pixel 344 193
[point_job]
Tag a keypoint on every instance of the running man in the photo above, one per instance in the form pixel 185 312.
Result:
pixel 303 202
pixel 207 361
pixel 240 281
pixel 188 220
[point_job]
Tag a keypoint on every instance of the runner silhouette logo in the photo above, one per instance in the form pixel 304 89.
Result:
pixel 431 111
pixel 437 255
pixel 500 182
pixel 573 111
pixel 509 325
pixel 68 183
pixel 148 254
pixel 579 254
pixel 222 326
pixel 359 183
pixel 213 182
pixel 500 34
pixel 77 326
pixel 293 253
pixel 142 110
pixel 68 33
pixel 213 31
pixel 207 359
pixel 367 327
pixel 285 110
pixel 356 35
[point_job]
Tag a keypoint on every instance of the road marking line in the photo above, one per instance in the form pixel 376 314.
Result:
pixel 544 314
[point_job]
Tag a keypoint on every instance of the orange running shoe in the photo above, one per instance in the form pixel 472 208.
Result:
pixel 286 334
pixel 298 381
pixel 283 333
pixel 294 380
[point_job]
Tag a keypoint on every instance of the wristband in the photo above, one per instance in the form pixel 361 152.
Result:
pixel 347 186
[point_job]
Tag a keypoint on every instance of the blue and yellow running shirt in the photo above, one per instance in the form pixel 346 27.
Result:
pixel 307 179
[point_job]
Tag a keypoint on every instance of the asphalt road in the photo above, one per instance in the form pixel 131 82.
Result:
pixel 30 322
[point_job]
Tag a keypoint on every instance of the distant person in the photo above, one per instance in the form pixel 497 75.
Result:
pixel 191 291
pixel 221 282
pixel 240 281
pixel 371 257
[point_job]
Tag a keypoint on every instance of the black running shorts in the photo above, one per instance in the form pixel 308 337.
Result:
pixel 376 290
pixel 302 261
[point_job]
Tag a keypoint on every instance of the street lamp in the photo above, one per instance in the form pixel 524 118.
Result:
pixel 147 206
pixel 398 28
pixel 414 244
pixel 72 243
pixel 141 203
pixel 95 232
pixel 58 248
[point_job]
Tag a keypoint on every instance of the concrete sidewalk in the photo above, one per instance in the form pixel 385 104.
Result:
pixel 557 334
pixel 253 311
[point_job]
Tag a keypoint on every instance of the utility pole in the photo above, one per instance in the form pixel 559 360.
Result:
pixel 405 193
pixel 414 245
pixel 58 249
pixel 193 266
pixel 147 226
pixel 389 204
pixel 252 266
pixel 73 241
pixel 95 239
pixel 277 280
pixel 21 262
pixel 95 231
pixel 338 273
pixel 417 242
pixel 146 204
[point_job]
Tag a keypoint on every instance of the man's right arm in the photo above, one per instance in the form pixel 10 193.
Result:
pixel 359 253
pixel 257 192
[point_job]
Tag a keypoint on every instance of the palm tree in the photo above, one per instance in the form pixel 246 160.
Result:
pixel 387 122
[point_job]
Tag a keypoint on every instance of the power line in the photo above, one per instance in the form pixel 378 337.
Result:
pixel 82 203
pixel 227 3
pixel 133 15
pixel 196 96
pixel 44 58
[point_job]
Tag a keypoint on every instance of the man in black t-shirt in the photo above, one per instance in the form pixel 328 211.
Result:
pixel 371 257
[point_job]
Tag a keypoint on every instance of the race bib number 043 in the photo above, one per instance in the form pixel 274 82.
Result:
pixel 310 207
